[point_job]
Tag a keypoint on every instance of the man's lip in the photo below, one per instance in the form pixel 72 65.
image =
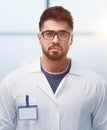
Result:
pixel 55 48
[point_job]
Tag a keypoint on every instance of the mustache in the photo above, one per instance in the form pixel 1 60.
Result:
pixel 55 46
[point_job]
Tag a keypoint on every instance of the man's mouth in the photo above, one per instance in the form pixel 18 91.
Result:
pixel 55 48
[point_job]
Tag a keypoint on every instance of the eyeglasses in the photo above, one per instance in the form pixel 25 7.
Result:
pixel 62 35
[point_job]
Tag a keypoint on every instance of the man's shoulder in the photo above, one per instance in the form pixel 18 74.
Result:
pixel 24 70
pixel 85 73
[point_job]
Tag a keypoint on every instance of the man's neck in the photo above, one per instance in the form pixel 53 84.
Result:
pixel 54 65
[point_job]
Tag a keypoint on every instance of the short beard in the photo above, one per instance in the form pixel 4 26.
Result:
pixel 54 56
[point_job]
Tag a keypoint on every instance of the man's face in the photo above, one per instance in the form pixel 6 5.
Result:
pixel 55 39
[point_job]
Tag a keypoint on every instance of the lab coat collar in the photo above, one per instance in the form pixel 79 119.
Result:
pixel 36 67
pixel 75 69
pixel 40 79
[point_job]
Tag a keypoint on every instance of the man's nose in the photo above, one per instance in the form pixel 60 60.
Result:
pixel 55 39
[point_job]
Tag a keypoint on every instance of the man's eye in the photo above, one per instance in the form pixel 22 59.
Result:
pixel 49 34
pixel 63 34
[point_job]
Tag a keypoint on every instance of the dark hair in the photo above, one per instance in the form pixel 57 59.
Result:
pixel 57 13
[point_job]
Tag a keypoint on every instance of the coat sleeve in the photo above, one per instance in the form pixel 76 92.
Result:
pixel 7 107
pixel 100 112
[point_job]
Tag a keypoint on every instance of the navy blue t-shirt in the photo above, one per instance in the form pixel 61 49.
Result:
pixel 55 78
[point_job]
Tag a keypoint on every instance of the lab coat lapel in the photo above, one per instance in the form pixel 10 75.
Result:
pixel 43 84
pixel 41 81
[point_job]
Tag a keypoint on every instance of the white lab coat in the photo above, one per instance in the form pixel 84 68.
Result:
pixel 80 102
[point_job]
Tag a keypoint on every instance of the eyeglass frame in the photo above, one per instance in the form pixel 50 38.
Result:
pixel 55 33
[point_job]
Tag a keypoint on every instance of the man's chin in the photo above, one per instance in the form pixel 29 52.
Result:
pixel 55 57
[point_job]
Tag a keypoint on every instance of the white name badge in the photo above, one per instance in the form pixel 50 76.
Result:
pixel 28 112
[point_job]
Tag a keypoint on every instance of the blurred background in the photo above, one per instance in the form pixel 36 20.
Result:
pixel 19 27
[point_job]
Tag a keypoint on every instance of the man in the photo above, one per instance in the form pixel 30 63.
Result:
pixel 53 93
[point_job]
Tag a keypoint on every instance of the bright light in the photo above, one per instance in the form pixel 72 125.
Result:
pixel 101 25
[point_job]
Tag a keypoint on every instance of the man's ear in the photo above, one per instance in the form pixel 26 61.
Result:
pixel 39 38
pixel 71 39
